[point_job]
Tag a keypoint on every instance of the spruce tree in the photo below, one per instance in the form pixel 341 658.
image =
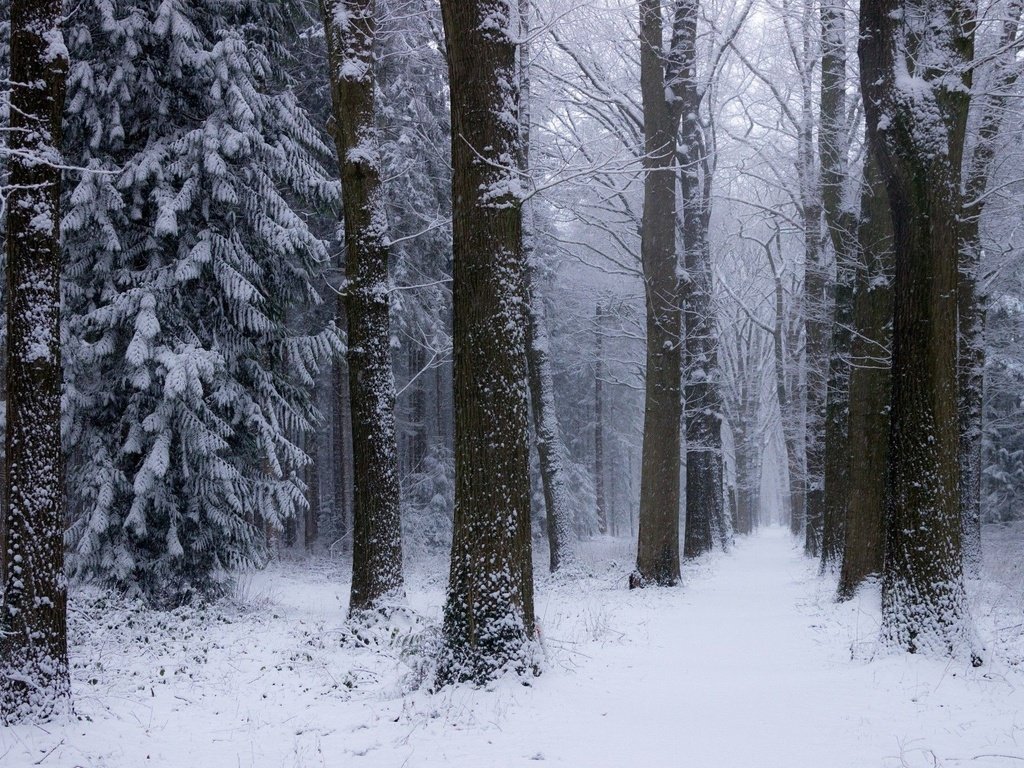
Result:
pixel 187 254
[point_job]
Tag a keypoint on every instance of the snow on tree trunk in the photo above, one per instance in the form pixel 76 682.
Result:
pixel 488 615
pixel 705 514
pixel 842 227
pixel 377 532
pixel 915 60
pixel 658 540
pixel 34 678
pixel 600 499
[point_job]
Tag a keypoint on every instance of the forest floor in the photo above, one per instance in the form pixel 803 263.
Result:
pixel 750 664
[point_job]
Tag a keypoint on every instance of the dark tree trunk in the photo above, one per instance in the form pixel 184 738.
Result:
pixel 920 149
pixel 599 491
pixel 311 529
pixel 34 679
pixel 488 617
pixel 377 532
pixel 864 543
pixel 703 416
pixel 842 229
pixel 658 541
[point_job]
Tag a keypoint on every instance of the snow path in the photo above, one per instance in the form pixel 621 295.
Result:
pixel 746 665
pixel 739 668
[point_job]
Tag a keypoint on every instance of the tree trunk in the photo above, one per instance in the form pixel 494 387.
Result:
pixel 311 530
pixel 34 679
pixel 842 229
pixel 488 617
pixel 599 491
pixel 703 416
pixel 864 544
pixel 377 536
pixel 658 540
pixel 919 144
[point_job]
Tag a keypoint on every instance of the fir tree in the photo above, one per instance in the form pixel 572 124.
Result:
pixel 186 255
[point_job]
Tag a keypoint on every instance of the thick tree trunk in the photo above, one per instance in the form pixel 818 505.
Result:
pixel 658 540
pixel 34 679
pixel 864 543
pixel 842 229
pixel 377 536
pixel 599 491
pixel 488 617
pixel 920 150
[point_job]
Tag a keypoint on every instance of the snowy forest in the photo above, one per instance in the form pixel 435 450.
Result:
pixel 467 383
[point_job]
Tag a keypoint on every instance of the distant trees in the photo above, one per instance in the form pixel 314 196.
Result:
pixel 488 615
pixel 350 27
pixel 34 678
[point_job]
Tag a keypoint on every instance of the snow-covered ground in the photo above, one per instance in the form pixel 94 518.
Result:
pixel 750 664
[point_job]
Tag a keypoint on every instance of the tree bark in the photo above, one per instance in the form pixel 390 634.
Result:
pixel 658 539
pixel 488 617
pixel 842 229
pixel 864 544
pixel 919 140
pixel 703 413
pixel 34 678
pixel 350 27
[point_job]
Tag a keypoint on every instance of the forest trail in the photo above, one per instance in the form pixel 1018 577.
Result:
pixel 746 665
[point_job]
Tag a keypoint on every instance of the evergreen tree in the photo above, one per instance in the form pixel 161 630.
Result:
pixel 186 257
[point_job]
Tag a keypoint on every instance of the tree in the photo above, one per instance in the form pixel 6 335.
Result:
pixel 187 262
pixel 658 541
pixel 350 27
pixel 488 615
pixel 841 223
pixel 34 678
pixel 915 58
pixel 869 400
